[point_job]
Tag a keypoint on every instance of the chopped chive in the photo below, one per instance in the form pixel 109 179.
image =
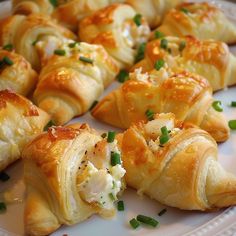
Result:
pixel 3 207
pixel 120 206
pixel 137 19
pixel 150 114
pixel 34 43
pixel 122 76
pixel 182 45
pixel 134 223
pixel 111 136
pixel 233 104
pixel 115 158
pixel 93 105
pixel 164 139
pixel 4 176
pixel 72 45
pixel 8 47
pixel 164 130
pixel 164 44
pixel 232 124
pixel 112 197
pixel 54 3
pixel 60 52
pixel 7 61
pixel 48 125
pixel 104 135
pixel 162 212
pixel 217 106
pixel 184 10
pixel 159 64
pixel 158 34
pixel 147 220
pixel 85 59
pixel 141 52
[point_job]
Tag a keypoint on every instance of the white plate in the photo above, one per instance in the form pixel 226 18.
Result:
pixel 173 223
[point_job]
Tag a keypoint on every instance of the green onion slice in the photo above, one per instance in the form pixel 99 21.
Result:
pixel 182 46
pixel 115 158
pixel 4 176
pixel 111 136
pixel 158 34
pixel 72 45
pixel 233 104
pixel 159 64
pixel 232 124
pixel 8 47
pixel 7 61
pixel 164 130
pixel 112 197
pixel 164 44
pixel 48 125
pixel 137 19
pixel 164 139
pixel 162 212
pixel 150 114
pixel 3 207
pixel 60 52
pixel 86 59
pixel 122 76
pixel 217 106
pixel 54 3
pixel 147 220
pixel 34 43
pixel 134 223
pixel 120 206
pixel 141 52
pixel 184 10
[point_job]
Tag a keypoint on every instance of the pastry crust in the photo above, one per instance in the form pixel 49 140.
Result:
pixel 59 167
pixel 20 122
pixel 187 95
pixel 19 77
pixel 153 10
pixel 209 58
pixel 114 28
pixel 183 172
pixel 24 31
pixel 68 86
pixel 202 20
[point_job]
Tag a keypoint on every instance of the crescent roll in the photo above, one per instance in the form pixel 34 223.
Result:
pixel 16 73
pixel 119 29
pixel 20 121
pixel 202 20
pixel 187 95
pixel 69 176
pixel 70 83
pixel 153 10
pixel 176 166
pixel 209 58
pixel 23 32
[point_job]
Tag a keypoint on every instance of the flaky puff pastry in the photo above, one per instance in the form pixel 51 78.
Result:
pixel 18 75
pixel 114 27
pixel 202 20
pixel 68 85
pixel 69 177
pixel 187 95
pixel 183 172
pixel 153 10
pixel 20 121
pixel 24 31
pixel 209 58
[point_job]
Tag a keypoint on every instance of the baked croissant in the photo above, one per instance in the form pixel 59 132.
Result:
pixel 176 166
pixel 23 32
pixel 70 175
pixel 20 121
pixel 202 20
pixel 187 95
pixel 153 10
pixel 68 85
pixel 119 29
pixel 16 73
pixel 209 58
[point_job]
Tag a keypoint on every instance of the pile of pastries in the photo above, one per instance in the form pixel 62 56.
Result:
pixel 57 58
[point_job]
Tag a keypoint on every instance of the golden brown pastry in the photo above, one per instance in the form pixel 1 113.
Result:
pixel 70 174
pixel 202 20
pixel 153 10
pixel 16 73
pixel 20 121
pixel 175 166
pixel 119 29
pixel 187 95
pixel 70 83
pixel 209 58
pixel 23 32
